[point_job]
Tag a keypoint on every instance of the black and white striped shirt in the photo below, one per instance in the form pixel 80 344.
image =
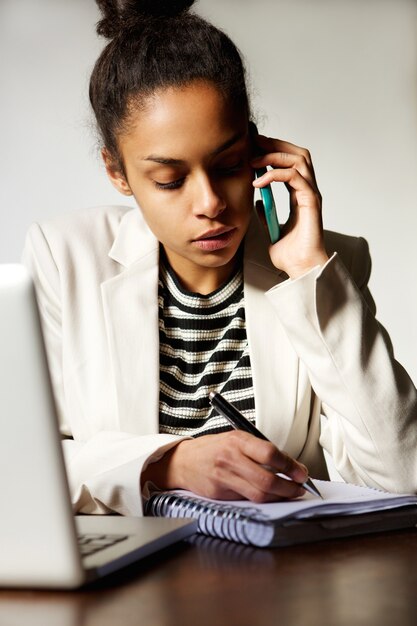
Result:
pixel 203 348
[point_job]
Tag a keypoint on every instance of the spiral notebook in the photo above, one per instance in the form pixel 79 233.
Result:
pixel 345 510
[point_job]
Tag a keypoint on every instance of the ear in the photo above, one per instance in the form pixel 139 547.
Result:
pixel 116 176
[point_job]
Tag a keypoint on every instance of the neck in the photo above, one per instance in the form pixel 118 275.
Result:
pixel 203 280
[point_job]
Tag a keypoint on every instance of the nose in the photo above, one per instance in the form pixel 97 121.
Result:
pixel 208 200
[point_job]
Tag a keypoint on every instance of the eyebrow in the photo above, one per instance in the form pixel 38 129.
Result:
pixel 175 162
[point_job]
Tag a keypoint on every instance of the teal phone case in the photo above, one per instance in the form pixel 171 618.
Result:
pixel 269 208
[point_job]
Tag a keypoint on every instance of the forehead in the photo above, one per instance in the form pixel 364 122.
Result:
pixel 179 121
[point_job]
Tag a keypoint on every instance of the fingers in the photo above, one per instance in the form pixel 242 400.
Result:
pixel 307 196
pixel 284 160
pixel 260 485
pixel 284 175
pixel 266 454
pixel 279 153
pixel 251 468
pixel 301 245
pixel 230 466
pixel 269 144
pixel 294 169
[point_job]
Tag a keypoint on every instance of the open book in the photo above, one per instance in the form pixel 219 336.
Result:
pixel 346 510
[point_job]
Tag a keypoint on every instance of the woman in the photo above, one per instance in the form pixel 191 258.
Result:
pixel 147 311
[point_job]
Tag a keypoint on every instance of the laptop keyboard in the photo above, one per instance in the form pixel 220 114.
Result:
pixel 91 543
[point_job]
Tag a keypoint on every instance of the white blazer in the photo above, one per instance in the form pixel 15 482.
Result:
pixel 316 350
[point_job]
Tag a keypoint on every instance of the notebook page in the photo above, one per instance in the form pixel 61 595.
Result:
pixel 339 499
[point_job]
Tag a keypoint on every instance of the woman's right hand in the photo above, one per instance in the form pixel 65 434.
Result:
pixel 229 466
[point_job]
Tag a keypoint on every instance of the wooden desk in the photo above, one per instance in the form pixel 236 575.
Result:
pixel 368 581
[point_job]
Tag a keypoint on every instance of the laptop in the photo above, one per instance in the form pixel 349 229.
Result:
pixel 42 543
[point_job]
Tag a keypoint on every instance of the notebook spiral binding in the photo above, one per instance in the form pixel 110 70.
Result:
pixel 215 519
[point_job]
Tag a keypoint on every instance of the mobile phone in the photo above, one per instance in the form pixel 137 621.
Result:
pixel 269 208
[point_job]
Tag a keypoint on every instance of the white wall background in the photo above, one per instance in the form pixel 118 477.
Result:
pixel 336 76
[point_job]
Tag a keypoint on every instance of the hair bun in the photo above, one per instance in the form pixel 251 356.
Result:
pixel 119 14
pixel 161 8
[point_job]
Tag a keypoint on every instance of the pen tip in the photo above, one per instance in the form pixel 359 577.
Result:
pixel 211 395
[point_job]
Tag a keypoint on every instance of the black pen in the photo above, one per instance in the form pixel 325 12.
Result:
pixel 238 421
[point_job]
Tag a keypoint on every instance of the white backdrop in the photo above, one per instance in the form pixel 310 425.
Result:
pixel 336 76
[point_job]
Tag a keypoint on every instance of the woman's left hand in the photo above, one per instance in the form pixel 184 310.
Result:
pixel 301 244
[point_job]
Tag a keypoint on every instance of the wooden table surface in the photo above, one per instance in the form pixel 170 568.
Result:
pixel 366 580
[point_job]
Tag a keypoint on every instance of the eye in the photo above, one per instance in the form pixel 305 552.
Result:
pixel 175 184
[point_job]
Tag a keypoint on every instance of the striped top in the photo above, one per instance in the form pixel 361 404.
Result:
pixel 203 348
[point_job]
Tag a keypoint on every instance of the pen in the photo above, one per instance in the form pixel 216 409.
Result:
pixel 238 421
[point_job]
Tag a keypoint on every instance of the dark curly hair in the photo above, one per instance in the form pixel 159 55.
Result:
pixel 156 44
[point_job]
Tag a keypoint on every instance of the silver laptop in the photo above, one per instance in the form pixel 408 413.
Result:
pixel 42 544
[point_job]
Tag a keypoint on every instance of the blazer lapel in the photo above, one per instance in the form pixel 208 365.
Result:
pixel 273 360
pixel 130 302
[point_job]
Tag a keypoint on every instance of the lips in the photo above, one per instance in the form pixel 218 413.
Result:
pixel 216 232
pixel 216 239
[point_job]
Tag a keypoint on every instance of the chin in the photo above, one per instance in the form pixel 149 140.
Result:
pixel 217 260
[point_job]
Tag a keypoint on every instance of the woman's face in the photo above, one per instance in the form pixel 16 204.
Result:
pixel 187 163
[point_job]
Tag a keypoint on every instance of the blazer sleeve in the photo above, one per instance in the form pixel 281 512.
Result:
pixel 369 403
pixel 104 470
